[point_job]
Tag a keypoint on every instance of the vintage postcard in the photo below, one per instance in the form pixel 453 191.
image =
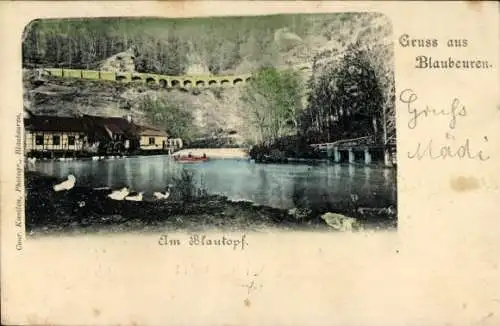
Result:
pixel 250 163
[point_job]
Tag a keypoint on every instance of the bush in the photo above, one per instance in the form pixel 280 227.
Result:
pixel 280 149
pixel 186 185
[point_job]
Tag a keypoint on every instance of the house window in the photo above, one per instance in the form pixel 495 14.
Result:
pixel 56 140
pixel 151 140
pixel 71 140
pixel 39 140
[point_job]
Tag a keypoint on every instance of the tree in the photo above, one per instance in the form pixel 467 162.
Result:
pixel 354 96
pixel 173 56
pixel 358 91
pixel 319 116
pixel 222 55
pixel 31 43
pixel 174 119
pixel 383 63
pixel 274 102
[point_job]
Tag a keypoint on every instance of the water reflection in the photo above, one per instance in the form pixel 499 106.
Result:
pixel 367 177
pixel 128 172
pixel 284 186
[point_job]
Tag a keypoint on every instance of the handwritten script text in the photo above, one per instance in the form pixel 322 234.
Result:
pixel 448 147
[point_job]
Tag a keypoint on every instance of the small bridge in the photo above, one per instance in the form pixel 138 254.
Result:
pixel 163 81
pixel 362 149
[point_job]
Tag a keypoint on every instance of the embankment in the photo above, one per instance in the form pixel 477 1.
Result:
pixel 84 209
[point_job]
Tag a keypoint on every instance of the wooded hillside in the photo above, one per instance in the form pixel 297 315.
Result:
pixel 208 45
pixel 332 44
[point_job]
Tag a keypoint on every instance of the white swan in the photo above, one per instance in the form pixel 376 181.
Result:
pixel 162 195
pixel 95 158
pixel 119 194
pixel 66 185
pixel 31 160
pixel 137 197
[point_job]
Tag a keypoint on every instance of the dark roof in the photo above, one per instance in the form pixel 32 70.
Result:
pixel 114 124
pixel 54 123
pixel 95 125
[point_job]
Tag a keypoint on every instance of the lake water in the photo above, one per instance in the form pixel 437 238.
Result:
pixel 276 185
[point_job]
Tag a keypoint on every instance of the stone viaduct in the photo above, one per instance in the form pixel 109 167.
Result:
pixel 164 81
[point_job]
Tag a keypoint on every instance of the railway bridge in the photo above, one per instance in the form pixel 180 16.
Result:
pixel 163 81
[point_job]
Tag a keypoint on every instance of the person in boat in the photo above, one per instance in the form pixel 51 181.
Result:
pixel 190 155
pixel 204 155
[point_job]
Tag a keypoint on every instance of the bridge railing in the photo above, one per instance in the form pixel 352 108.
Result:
pixel 341 143
pixel 366 141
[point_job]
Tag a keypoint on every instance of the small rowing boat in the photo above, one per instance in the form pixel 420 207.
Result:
pixel 190 159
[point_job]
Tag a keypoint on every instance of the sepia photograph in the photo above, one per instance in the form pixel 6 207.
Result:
pixel 233 123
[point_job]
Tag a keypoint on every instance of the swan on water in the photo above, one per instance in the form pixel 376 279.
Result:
pixel 135 197
pixel 119 194
pixel 66 185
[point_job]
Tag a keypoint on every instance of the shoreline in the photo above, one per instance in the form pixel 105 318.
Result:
pixel 219 154
pixel 215 153
pixel 87 210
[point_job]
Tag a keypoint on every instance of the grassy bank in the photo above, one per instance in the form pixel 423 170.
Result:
pixel 87 210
